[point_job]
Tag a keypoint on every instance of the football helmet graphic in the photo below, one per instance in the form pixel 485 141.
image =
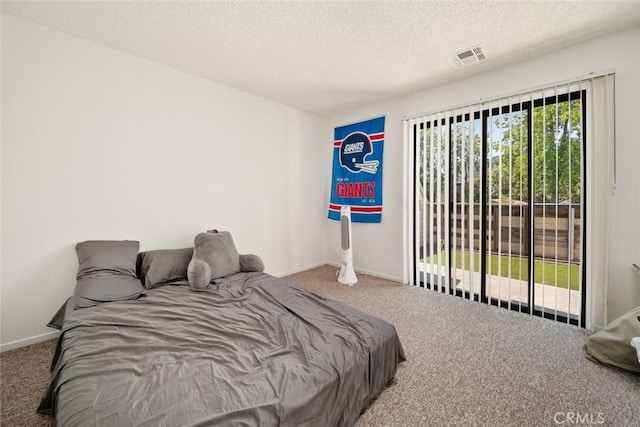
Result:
pixel 353 151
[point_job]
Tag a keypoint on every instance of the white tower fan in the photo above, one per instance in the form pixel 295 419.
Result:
pixel 346 276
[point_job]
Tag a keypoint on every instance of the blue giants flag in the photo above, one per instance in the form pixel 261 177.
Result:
pixel 357 170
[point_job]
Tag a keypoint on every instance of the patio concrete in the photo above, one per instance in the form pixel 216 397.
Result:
pixel 547 298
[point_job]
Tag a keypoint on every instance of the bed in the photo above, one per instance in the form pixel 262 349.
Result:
pixel 251 350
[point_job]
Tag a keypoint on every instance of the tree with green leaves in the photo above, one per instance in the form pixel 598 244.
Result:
pixel 557 160
pixel 557 138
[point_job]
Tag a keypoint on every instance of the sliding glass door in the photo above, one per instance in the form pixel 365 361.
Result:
pixel 498 203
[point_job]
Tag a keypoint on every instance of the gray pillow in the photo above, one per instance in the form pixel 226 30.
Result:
pixel 214 256
pixel 161 267
pixel 107 272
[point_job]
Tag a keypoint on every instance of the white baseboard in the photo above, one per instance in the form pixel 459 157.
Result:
pixel 299 270
pixel 368 272
pixel 28 341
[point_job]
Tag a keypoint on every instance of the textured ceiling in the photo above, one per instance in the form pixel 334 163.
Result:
pixel 326 56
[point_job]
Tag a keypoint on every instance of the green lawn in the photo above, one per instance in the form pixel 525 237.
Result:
pixel 519 268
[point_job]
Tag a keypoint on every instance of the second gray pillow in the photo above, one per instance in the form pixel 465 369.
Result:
pixel 161 267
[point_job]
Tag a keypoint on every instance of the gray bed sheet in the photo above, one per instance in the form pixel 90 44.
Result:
pixel 255 351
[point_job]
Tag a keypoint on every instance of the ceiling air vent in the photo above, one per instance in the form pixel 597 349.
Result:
pixel 468 57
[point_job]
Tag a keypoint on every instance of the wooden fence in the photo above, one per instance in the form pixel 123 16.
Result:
pixel 556 233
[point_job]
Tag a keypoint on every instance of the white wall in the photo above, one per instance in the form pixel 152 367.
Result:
pixel 99 144
pixel 381 245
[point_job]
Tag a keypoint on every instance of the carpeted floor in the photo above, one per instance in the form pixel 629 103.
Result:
pixel 24 376
pixel 468 364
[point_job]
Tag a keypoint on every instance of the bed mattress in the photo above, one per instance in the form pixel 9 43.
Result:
pixel 255 350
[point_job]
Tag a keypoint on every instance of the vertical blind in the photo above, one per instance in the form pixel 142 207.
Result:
pixel 500 199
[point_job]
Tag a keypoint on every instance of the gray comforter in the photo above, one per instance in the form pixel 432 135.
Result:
pixel 255 351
